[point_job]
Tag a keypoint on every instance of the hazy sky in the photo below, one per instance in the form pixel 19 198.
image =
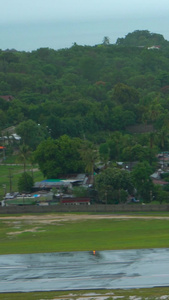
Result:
pixel 31 24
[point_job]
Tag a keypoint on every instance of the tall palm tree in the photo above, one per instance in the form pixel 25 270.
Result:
pixel 163 136
pixel 89 155
pixel 152 138
pixel 24 153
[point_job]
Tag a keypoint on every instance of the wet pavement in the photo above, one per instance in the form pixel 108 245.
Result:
pixel 84 270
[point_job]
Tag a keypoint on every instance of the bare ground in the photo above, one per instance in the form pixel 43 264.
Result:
pixel 75 217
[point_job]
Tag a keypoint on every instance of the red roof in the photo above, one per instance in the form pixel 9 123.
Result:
pixel 156 181
pixel 75 200
pixel 7 97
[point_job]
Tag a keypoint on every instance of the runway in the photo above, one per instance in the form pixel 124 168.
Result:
pixel 123 269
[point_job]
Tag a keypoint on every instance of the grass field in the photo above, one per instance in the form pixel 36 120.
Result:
pixel 46 233
pixel 15 172
pixel 155 293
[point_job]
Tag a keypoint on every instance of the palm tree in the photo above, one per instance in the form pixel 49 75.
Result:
pixel 89 155
pixel 24 153
pixel 163 136
pixel 104 152
pixel 152 137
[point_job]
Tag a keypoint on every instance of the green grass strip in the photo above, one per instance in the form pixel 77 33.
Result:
pixel 154 293
pixel 25 236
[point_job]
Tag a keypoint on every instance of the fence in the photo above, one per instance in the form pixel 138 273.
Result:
pixel 82 208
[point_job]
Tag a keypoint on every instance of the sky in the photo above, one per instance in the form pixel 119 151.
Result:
pixel 27 25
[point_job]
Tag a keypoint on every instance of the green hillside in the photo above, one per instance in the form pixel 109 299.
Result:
pixel 74 107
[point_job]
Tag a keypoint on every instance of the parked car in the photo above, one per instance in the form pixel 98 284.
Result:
pixel 9 196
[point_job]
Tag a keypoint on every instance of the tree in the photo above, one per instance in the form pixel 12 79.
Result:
pixel 24 153
pixel 89 155
pixel 106 41
pixel 139 153
pixel 152 139
pixel 104 152
pixel 115 143
pixel 125 94
pixel 141 38
pixel 58 157
pixel 3 118
pixel 31 133
pixel 80 191
pixel 163 137
pixel 88 68
pixel 142 180
pixel 160 194
pixel 114 185
pixel 152 111
pixel 25 183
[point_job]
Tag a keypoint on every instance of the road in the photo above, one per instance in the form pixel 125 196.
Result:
pixel 83 270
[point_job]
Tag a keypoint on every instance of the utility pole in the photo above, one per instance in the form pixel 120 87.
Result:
pixel 10 180
pixel 4 157
pixel 4 187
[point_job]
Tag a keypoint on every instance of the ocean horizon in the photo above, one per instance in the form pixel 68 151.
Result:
pixel 59 35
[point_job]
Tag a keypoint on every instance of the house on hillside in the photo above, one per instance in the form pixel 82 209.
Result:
pixel 10 138
pixel 7 98
pixel 163 160
pixel 160 182
pixel 157 178
pixel 154 47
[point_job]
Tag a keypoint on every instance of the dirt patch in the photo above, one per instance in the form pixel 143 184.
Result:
pixel 90 297
pixel 107 296
pixel 26 230
pixel 51 218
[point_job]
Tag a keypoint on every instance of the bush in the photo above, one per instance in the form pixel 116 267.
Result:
pixel 25 183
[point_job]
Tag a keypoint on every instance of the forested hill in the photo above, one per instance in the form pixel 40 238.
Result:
pixel 87 91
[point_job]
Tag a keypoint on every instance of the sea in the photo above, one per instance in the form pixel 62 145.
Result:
pixel 63 34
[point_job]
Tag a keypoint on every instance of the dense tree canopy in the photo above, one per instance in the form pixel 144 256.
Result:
pixel 142 181
pixel 84 90
pixel 25 183
pixel 114 185
pixel 100 95
pixel 141 38
pixel 31 133
pixel 58 157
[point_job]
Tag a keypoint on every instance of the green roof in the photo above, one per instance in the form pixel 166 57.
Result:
pixel 52 180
